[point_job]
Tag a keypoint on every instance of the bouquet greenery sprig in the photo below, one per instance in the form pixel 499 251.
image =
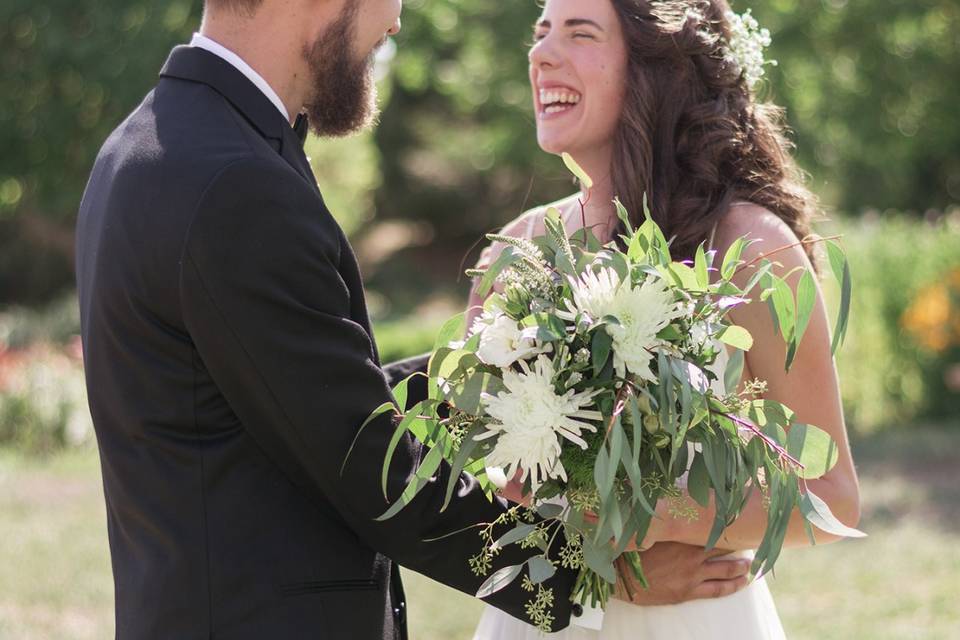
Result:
pixel 591 378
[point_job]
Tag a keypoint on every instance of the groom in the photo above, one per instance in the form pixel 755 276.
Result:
pixel 229 356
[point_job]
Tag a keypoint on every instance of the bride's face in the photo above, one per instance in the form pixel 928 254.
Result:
pixel 577 71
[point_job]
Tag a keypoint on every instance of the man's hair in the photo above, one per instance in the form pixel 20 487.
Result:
pixel 242 7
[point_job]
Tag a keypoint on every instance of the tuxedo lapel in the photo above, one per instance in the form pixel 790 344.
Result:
pixel 199 65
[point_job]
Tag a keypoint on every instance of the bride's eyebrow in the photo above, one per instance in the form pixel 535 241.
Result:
pixel 572 22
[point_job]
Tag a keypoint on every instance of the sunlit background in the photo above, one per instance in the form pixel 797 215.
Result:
pixel 872 92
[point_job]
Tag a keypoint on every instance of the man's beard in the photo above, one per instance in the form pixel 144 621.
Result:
pixel 344 99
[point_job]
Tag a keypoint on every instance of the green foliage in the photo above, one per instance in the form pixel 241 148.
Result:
pixel 868 88
pixel 71 71
pixel 896 365
pixel 43 401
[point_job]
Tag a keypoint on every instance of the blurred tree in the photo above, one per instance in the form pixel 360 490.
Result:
pixel 871 88
pixel 69 72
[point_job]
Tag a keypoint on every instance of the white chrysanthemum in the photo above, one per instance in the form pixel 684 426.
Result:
pixel 593 294
pixel 531 418
pixel 642 312
pixel 502 341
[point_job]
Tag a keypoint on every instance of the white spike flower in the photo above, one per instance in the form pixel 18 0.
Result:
pixel 642 313
pixel 530 420
pixel 593 294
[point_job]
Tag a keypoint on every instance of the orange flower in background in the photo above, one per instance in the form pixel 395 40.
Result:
pixel 933 318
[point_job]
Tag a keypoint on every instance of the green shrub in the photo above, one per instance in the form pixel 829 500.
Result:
pixel 43 401
pixel 903 348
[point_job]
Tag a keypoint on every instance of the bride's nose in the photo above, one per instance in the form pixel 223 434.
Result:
pixel 544 54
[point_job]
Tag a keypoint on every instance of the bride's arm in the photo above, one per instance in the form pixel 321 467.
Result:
pixel 810 388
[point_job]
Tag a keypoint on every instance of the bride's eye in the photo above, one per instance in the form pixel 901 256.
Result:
pixel 582 34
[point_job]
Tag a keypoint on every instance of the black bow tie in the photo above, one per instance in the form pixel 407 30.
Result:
pixel 301 127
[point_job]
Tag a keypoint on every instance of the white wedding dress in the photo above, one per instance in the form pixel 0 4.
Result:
pixel 749 614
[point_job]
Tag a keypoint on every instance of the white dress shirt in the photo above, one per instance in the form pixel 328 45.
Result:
pixel 203 42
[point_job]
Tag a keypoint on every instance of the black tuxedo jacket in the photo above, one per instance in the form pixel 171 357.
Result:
pixel 229 363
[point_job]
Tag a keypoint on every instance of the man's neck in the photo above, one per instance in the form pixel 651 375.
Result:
pixel 266 52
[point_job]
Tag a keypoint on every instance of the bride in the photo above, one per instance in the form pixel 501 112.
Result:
pixel 649 98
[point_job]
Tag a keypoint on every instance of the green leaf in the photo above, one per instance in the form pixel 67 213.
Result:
pixel 549 510
pixel 600 559
pixel 600 349
pixel 467 446
pixel 733 372
pixel 624 216
pixel 467 395
pixel 508 257
pixel 398 432
pixel 421 478
pixel 841 270
pixel 576 170
pixel 452 329
pixel 814 448
pixel 736 336
pixel 379 411
pixel 683 276
pixel 782 307
pixel 700 266
pixel 698 482
pixel 500 579
pixel 731 259
pixel 549 327
pixel 518 533
pixel 540 569
pixel 806 299
pixel 819 515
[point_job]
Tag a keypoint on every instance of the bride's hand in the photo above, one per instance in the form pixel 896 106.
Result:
pixel 513 491
pixel 679 572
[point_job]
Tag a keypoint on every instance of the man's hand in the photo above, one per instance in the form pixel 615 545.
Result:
pixel 679 573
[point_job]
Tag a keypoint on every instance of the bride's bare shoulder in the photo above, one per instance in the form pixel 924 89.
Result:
pixel 746 219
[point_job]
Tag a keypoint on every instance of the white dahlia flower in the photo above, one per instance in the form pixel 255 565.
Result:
pixel 531 418
pixel 501 340
pixel 642 312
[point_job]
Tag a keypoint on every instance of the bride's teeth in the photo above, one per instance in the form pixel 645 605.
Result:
pixel 554 101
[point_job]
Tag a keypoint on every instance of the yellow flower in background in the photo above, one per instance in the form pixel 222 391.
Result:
pixel 933 318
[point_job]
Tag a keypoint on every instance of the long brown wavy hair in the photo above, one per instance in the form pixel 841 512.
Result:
pixel 692 137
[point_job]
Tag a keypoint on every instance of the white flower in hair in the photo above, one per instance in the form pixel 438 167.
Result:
pixel 747 42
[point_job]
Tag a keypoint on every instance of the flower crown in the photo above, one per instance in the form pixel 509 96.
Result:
pixel 746 45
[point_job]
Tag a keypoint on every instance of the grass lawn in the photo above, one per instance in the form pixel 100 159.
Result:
pixel 902 582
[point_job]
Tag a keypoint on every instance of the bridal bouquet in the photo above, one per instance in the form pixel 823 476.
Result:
pixel 589 379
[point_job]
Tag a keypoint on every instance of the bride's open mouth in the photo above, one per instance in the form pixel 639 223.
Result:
pixel 557 101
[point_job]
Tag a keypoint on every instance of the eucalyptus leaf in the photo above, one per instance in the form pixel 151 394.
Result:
pixel 500 579
pixel 424 472
pixel 600 559
pixel 540 569
pixel 733 372
pixel 736 336
pixel 819 515
pixel 698 482
pixel 841 269
pixel 806 298
pixel 814 448
pixel 518 533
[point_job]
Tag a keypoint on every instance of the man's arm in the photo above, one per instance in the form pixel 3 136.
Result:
pixel 268 312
